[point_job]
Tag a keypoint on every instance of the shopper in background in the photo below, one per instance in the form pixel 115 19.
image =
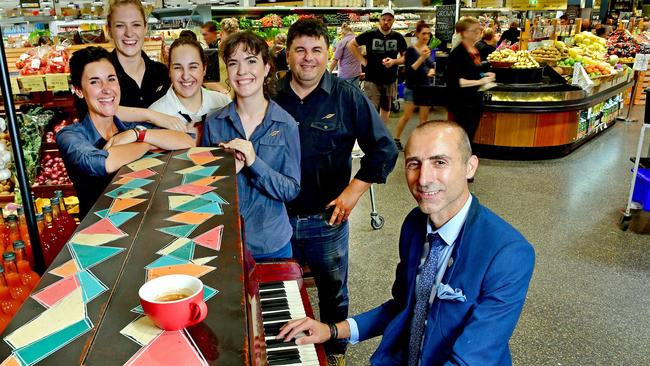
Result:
pixel 94 149
pixel 280 54
pixel 212 78
pixel 187 98
pixel 511 34
pixel 487 44
pixel 384 52
pixel 331 114
pixel 349 66
pixel 266 143
pixel 465 76
pixel 463 273
pixel 419 70
pixel 227 27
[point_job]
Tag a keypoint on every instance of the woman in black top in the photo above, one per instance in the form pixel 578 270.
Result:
pixel 419 68
pixel 465 76
pixel 487 44
pixel 142 80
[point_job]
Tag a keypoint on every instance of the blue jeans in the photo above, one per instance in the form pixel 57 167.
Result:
pixel 284 252
pixel 324 249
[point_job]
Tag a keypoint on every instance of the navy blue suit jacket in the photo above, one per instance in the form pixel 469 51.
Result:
pixel 492 265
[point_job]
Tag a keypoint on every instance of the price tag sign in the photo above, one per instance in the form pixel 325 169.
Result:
pixel 640 62
pixel 57 82
pixel 33 83
pixel 15 89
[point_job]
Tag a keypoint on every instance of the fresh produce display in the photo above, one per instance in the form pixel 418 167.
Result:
pixel 588 44
pixel 289 19
pixel 505 55
pixel 52 172
pixel 525 61
pixel 556 52
pixel 6 184
pixel 622 44
pixel 594 68
pixel 271 21
pixel 32 124
pixel 44 60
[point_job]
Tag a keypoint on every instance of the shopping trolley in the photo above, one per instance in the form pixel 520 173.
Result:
pixel 376 220
pixel 626 217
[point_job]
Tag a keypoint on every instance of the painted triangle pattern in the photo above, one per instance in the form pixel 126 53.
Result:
pixel 175 347
pixel 88 256
pixel 179 231
pixel 210 239
pixel 119 218
pixel 102 213
pixel 144 173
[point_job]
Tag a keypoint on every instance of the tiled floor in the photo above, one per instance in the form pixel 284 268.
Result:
pixel 589 299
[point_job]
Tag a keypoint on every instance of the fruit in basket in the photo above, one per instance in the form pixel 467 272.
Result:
pixel 525 61
pixel 622 44
pixel 6 187
pixel 547 52
pixel 505 55
pixel 52 172
pixel 589 44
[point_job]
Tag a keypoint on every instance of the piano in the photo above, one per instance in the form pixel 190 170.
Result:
pixel 169 212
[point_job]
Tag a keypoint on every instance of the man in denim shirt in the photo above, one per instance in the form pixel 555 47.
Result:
pixel 331 114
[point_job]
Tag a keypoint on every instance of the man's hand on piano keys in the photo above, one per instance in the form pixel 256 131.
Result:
pixel 312 331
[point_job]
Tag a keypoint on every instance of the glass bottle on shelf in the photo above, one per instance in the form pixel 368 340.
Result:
pixel 28 277
pixel 14 230
pixel 24 234
pixel 64 233
pixel 17 290
pixel 40 222
pixel 8 304
pixel 4 231
pixel 49 238
pixel 68 221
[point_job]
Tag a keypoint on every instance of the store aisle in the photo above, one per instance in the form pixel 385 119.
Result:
pixel 589 296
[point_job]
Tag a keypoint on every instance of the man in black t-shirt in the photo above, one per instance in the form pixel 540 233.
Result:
pixel 384 52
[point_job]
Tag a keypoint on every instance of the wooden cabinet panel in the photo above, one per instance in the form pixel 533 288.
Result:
pixel 556 128
pixel 486 129
pixel 515 129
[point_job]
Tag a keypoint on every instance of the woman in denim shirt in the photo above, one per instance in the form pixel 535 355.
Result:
pixel 266 144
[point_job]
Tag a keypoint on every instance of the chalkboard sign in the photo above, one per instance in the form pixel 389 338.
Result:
pixel 30 4
pixel 445 22
pixel 572 12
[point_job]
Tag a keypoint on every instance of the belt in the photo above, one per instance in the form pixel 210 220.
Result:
pixel 317 216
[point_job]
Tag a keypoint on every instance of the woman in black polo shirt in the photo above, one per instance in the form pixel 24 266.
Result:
pixel 142 80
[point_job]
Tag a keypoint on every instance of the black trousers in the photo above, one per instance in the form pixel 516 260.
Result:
pixel 468 116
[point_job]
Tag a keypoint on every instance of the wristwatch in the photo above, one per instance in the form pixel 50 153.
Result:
pixel 142 132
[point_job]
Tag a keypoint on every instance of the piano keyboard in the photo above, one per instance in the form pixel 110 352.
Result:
pixel 281 302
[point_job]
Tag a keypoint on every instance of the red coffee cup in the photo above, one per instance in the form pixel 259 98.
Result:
pixel 174 302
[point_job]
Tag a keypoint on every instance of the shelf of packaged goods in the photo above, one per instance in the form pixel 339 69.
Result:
pixel 151 47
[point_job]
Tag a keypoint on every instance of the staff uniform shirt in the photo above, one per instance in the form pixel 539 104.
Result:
pixel 154 83
pixel 213 66
pixel 460 65
pixel 81 147
pixel 349 66
pixel 378 47
pixel 330 118
pixel 272 180
pixel 211 101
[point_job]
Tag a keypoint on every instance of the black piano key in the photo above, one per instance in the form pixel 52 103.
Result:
pixel 279 343
pixel 272 330
pixel 281 315
pixel 274 302
pixel 273 293
pixel 282 354
pixel 289 361
pixel 275 307
pixel 271 285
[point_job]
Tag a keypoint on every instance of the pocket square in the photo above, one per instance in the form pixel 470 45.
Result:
pixel 445 292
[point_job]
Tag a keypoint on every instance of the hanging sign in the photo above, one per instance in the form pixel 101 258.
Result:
pixel 489 4
pixel 15 89
pixel 445 22
pixel 57 82
pixel 32 83
pixel 30 4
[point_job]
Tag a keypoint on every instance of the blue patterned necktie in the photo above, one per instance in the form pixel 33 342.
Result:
pixel 423 288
